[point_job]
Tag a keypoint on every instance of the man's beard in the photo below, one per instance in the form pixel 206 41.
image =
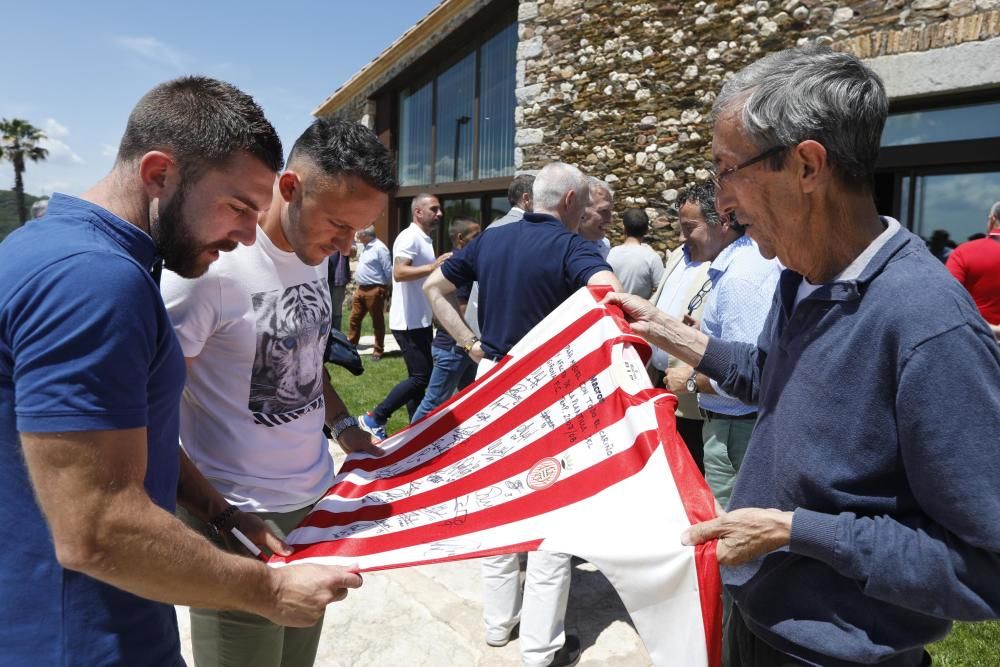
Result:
pixel 175 240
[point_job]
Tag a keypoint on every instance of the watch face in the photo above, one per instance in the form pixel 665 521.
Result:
pixel 692 386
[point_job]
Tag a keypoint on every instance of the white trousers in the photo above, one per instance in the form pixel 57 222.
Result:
pixel 541 611
pixel 542 608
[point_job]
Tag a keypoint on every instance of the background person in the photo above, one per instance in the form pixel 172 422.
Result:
pixel 451 362
pixel 409 313
pixel 525 270
pixel 374 278
pixel 638 266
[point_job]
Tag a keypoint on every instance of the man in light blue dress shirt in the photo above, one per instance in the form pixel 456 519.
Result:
pixel 374 278
pixel 736 303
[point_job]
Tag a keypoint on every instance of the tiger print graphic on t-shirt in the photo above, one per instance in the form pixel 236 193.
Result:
pixel 292 327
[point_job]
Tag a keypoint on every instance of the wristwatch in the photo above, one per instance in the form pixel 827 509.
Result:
pixel 342 425
pixel 692 383
pixel 471 344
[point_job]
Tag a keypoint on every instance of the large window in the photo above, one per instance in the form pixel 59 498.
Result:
pixel 939 166
pixel 456 92
pixel 496 104
pixel 459 125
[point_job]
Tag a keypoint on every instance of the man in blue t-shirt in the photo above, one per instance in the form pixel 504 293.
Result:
pixel 90 380
pixel 525 270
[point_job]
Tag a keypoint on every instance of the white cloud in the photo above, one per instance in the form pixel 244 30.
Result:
pixel 152 50
pixel 107 150
pixel 54 129
pixel 59 150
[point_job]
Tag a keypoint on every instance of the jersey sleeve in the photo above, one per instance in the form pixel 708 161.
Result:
pixel 83 339
pixel 195 308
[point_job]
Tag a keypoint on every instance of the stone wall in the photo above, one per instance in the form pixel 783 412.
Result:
pixel 623 89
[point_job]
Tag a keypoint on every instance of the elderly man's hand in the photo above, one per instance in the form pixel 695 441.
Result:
pixel 676 378
pixel 743 534
pixel 640 313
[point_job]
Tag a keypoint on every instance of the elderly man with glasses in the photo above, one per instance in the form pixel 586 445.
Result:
pixel 880 488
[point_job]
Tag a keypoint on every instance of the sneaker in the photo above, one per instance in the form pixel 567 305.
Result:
pixel 369 424
pixel 497 642
pixel 569 654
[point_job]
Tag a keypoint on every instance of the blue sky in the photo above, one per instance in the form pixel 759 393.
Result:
pixel 75 69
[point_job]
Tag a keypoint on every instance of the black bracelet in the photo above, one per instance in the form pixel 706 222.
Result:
pixel 223 519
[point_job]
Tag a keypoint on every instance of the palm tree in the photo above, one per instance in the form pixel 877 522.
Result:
pixel 19 141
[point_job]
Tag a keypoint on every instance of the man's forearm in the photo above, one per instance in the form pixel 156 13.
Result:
pixel 196 494
pixel 448 312
pixel 142 549
pixel 678 339
pixel 335 407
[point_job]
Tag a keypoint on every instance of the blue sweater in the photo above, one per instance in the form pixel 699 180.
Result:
pixel 879 425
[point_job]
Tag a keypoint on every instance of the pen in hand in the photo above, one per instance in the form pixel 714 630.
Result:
pixel 245 541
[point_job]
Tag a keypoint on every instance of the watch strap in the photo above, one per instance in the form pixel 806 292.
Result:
pixel 342 425
pixel 224 519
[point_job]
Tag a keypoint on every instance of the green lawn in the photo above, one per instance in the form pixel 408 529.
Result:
pixel 364 392
pixel 969 644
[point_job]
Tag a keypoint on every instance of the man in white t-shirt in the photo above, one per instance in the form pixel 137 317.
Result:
pixel 253 330
pixel 410 313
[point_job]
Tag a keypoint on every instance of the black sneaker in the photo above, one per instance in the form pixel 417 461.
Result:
pixel 569 654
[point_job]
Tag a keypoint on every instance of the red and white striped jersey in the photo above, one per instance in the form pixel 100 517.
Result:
pixel 563 446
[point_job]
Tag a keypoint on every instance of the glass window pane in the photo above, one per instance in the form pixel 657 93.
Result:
pixel 456 89
pixel 956 203
pixel 971 121
pixel 496 104
pixel 415 136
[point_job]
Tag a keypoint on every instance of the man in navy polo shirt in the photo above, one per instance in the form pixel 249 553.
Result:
pixel 90 380
pixel 525 270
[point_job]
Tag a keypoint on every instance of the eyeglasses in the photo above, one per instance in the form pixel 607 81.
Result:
pixel 718 176
pixel 699 297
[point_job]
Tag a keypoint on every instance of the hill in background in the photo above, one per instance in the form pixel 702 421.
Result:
pixel 8 211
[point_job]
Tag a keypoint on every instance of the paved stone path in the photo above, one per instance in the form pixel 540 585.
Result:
pixel 430 616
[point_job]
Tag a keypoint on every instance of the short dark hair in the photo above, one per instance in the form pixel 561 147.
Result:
pixel 460 225
pixel 341 147
pixel 636 223
pixel 202 123
pixel 703 194
pixel 518 187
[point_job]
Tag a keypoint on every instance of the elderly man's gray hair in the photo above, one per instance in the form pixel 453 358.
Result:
pixel 555 180
pixel 39 208
pixel 594 183
pixel 814 93
pixel 995 210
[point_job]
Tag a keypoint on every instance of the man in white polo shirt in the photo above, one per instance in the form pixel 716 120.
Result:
pixel 410 313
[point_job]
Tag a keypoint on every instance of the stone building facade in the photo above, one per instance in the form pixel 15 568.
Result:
pixel 624 88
